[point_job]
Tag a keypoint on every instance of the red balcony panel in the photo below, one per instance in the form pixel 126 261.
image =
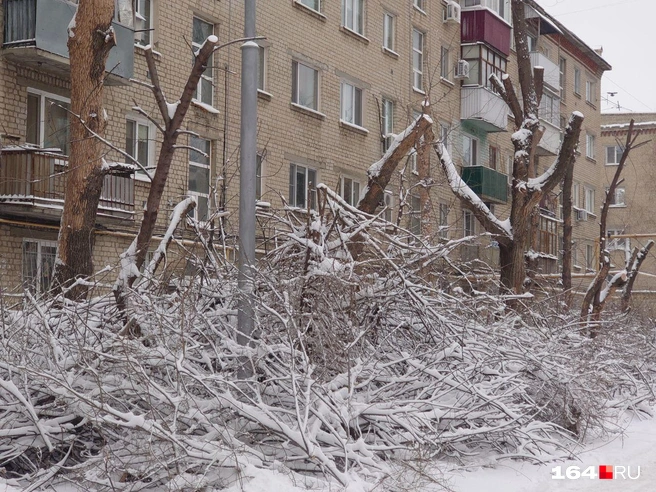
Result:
pixel 485 27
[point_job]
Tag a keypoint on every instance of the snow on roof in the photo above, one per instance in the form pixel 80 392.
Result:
pixel 622 126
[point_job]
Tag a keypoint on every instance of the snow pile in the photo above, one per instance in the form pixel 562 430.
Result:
pixel 356 369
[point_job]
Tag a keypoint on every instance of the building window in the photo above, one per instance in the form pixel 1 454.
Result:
pixel 493 157
pixel 388 203
pixel 483 62
pixel 143 15
pixel 589 257
pixel 350 191
pixel 258 176
pixel 47 120
pixel 351 99
pixel 38 265
pixel 412 160
pixel 138 144
pixel 589 200
pixel 563 76
pixel 311 4
pixel 548 236
pixel 420 5
pixel 469 151
pixel 262 69
pixel 614 155
pixel 469 223
pixel 199 176
pixel 418 60
pixel 443 231
pixel 353 15
pixel 389 32
pixel 415 215
pixel 576 202
pixel 617 243
pixel 444 63
pixel 590 146
pixel 590 91
pixel 550 108
pixel 305 86
pixel 302 180
pixel 445 129
pixel 388 123
pixel 577 81
pixel 618 198
pixel 205 89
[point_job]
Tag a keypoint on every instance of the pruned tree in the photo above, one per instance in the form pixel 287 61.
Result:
pixel 90 39
pixel 514 234
pixel 633 267
pixel 600 288
pixel 566 197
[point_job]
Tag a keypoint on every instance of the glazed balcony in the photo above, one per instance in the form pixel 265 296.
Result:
pixel 488 184
pixel 551 69
pixel 550 141
pixel 481 25
pixel 483 108
pixel 35 35
pixel 32 184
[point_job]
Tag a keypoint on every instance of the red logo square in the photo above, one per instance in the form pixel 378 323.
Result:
pixel 605 472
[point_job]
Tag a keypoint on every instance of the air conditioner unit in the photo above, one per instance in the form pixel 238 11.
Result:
pixel 581 215
pixel 452 12
pixel 462 69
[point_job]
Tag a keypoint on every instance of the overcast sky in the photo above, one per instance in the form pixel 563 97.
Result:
pixel 625 29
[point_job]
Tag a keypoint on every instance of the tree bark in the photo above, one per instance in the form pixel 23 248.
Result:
pixel 89 43
pixel 567 235
pixel 633 268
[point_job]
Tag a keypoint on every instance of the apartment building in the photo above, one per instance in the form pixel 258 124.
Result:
pixel 630 215
pixel 335 80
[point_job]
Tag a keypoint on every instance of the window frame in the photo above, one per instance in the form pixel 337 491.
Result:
pixel 480 67
pixel 353 18
pixel 35 285
pixel 445 63
pixel 259 167
pixel 293 189
pixel 304 4
pixel 357 104
pixel 418 55
pixel 577 81
pixel 589 199
pixel 355 188
pixel 472 151
pixel 139 175
pixel 414 214
pixel 207 75
pixel 387 116
pixel 562 68
pixel 617 156
pixel 590 142
pixel 201 165
pixel 263 69
pixel 387 36
pixel 147 28
pixel 443 211
pixel 296 85
pixel 620 192
pixel 590 91
pixel 420 5
pixel 468 223
pixel 388 205
pixel 43 95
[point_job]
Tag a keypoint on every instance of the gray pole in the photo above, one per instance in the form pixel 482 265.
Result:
pixel 248 164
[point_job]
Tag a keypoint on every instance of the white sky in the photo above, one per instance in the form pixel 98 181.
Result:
pixel 625 29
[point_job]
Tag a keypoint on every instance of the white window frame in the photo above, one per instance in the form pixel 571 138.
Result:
pixel 355 188
pixel 443 211
pixel 259 167
pixel 42 108
pixel 469 147
pixel 388 203
pixel 590 141
pixel 263 69
pixel 590 91
pixel 414 224
pixel 616 243
pixel 617 155
pixel 468 223
pixel 445 63
pixel 143 23
pixel 412 159
pixel 577 81
pixel 589 199
pixel 445 130
pixel 208 75
pixel 418 49
pixel 351 104
pixel 589 257
pixel 387 115
pixel 350 22
pixel 576 195
pixel 310 7
pixel 293 167
pixel 296 86
pixel 562 68
pixel 35 282
pixel 420 5
pixel 139 175
pixel 619 197
pixel 201 165
pixel 389 38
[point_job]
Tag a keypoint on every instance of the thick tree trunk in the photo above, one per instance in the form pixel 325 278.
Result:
pixel 90 40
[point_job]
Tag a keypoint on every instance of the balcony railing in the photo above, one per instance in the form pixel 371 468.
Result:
pixel 551 69
pixel 36 179
pixel 35 34
pixel 483 108
pixel 488 184
pixel 550 141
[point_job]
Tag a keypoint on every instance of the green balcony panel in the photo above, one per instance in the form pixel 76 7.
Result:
pixel 488 184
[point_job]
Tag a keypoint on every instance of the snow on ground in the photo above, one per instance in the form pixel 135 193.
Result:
pixel 636 446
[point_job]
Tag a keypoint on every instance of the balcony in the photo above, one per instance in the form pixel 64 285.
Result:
pixel 483 108
pixel 483 26
pixel 488 184
pixel 32 184
pixel 35 35
pixel 551 69
pixel 550 141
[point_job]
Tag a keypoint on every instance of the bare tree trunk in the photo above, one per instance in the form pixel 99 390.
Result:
pixel 633 267
pixel 567 235
pixel 423 170
pixel 90 40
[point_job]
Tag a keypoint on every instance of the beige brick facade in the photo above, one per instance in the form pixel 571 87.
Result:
pixel 290 134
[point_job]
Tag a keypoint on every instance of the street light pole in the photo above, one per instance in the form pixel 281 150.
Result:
pixel 247 176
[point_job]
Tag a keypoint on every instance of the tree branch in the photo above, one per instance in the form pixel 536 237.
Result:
pixel 160 99
pixel 508 94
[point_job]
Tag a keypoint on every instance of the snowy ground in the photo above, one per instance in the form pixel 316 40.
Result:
pixel 635 447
